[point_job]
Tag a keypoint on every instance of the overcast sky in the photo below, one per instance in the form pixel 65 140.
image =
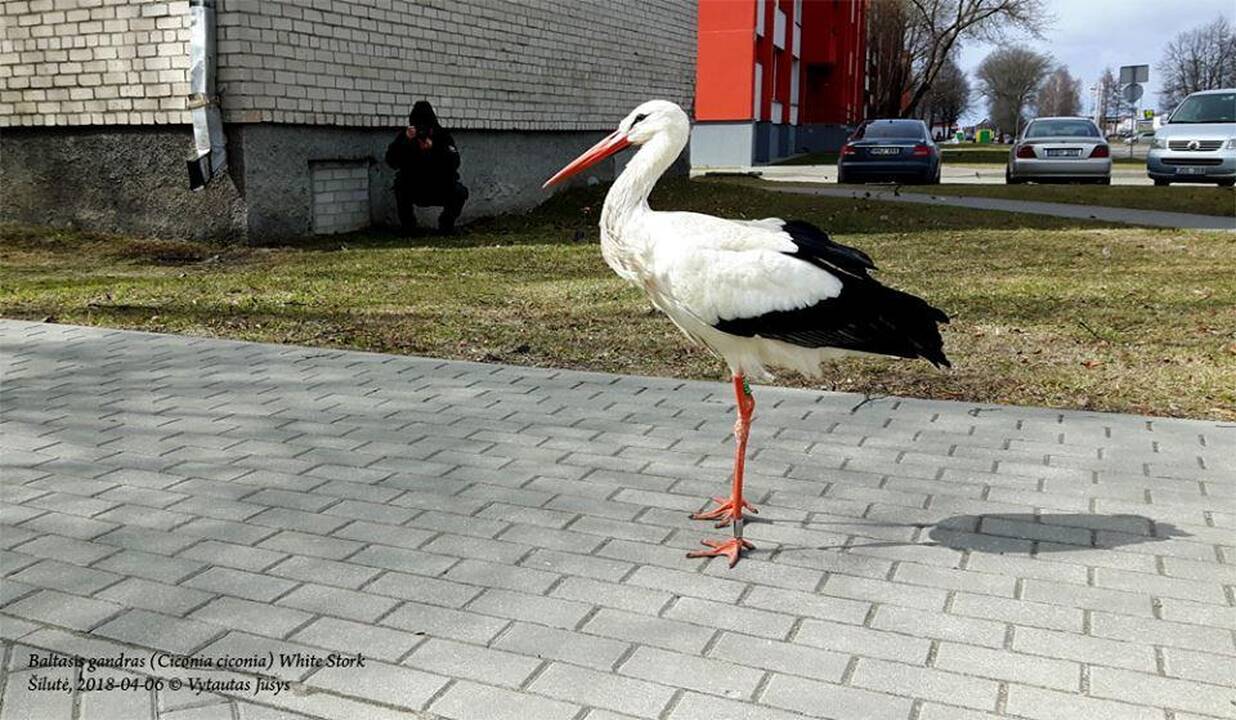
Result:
pixel 1089 35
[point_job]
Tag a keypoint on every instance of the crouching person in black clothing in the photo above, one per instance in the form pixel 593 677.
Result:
pixel 424 153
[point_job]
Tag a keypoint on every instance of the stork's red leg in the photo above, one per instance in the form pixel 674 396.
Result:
pixel 729 512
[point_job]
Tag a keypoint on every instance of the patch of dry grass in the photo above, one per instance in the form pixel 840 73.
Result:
pixel 1046 311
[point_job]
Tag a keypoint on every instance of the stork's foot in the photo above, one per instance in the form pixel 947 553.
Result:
pixel 726 512
pixel 731 549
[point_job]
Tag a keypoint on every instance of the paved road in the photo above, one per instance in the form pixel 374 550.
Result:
pixel 505 542
pixel 1152 218
pixel 950 173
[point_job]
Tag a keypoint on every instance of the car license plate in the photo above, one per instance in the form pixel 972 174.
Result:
pixel 885 151
pixel 1190 171
pixel 1063 152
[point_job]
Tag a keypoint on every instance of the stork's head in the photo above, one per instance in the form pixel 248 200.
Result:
pixel 655 118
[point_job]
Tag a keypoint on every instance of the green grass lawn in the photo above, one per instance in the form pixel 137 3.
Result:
pixel 1046 311
pixel 1201 199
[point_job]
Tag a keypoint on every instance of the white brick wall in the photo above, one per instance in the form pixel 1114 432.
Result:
pixel 486 64
pixel 94 62
pixel 340 196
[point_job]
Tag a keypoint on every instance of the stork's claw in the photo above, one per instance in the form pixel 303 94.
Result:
pixel 731 549
pixel 726 512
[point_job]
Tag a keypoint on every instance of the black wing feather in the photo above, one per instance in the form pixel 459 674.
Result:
pixel 867 316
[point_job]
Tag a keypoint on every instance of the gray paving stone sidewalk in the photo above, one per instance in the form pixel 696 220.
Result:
pixel 507 542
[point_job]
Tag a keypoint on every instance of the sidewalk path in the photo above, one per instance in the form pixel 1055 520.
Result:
pixel 507 542
pixel 952 173
pixel 1152 218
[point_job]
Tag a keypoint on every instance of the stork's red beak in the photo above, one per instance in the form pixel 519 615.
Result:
pixel 615 141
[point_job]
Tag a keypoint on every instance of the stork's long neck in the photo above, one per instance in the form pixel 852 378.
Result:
pixel 629 193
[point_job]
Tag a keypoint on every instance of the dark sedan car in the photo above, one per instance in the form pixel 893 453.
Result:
pixel 882 150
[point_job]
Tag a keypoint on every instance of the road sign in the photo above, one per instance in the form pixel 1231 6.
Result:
pixel 1134 74
pixel 1148 114
pixel 1132 92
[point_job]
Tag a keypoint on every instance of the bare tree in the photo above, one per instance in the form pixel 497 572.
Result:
pixel 949 96
pixel 1203 58
pixel 1111 101
pixel 1010 78
pixel 929 31
pixel 1060 94
pixel 890 61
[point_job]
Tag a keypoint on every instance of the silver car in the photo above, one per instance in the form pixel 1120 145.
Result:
pixel 1060 148
pixel 1198 141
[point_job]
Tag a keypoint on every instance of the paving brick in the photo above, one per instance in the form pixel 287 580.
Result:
pixel 1083 648
pixel 312 569
pixel 576 564
pixel 412 561
pixel 694 706
pixel 419 618
pixel 238 583
pixel 695 673
pixel 472 701
pixel 57 608
pixel 720 615
pixel 258 618
pixel 1091 598
pixel 555 644
pixel 478 548
pixel 1142 630
pixel 621 530
pixel 811 697
pixel 581 685
pixel 935 625
pixel 926 683
pixel 657 632
pixel 55 575
pixel 326 600
pixel 949 579
pixel 1005 665
pixel 232 555
pixel 860 640
pixel 1159 586
pixel 76 552
pixel 1146 689
pixel 346 636
pixel 1018 612
pixel 621 597
pixel 1051 705
pixel 531 608
pixel 149 629
pixel 454 659
pixel 780 657
pixel 1203 667
pixel 686 583
pixel 316 545
pixel 388 684
pixel 226 531
pixel 167 599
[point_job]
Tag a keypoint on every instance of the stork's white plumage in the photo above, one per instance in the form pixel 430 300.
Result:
pixel 758 293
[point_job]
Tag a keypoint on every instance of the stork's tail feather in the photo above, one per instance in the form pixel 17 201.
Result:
pixel 866 317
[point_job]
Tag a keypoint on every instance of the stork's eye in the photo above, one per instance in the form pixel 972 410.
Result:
pixel 638 118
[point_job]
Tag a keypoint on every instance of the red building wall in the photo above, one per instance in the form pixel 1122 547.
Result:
pixel 832 60
pixel 725 63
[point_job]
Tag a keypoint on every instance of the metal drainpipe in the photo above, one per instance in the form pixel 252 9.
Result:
pixel 210 155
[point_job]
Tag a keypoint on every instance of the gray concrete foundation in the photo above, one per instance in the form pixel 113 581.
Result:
pixel 114 179
pixel 133 180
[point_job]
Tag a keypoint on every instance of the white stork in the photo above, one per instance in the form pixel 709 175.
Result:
pixel 757 293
